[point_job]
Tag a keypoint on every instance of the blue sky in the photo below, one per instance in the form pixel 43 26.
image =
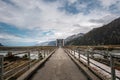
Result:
pixel 27 23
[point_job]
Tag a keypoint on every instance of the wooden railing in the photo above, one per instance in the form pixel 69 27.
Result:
pixel 16 71
pixel 84 54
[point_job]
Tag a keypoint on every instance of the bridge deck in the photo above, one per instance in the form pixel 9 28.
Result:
pixel 59 67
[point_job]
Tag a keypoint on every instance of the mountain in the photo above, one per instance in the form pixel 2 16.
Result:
pixel 1 44
pixel 52 43
pixel 105 35
pixel 48 43
pixel 72 38
pixel 67 40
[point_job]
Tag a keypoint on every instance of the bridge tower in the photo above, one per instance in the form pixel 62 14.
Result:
pixel 60 42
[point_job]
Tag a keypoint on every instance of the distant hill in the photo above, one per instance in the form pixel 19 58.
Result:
pixel 69 40
pixel 105 35
pixel 52 43
pixel 1 44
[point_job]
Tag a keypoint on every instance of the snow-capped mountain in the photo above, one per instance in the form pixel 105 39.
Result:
pixel 73 37
pixel 68 39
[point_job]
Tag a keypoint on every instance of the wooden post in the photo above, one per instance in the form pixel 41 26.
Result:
pixel 79 53
pixel 88 61
pixel 74 52
pixel 63 43
pixel 44 53
pixel 29 59
pixel 57 43
pixel 1 67
pixel 112 67
pixel 38 54
pixel 47 52
pixel 70 51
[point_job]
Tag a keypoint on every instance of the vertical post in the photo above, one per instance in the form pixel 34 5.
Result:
pixel 74 52
pixel 63 42
pixel 71 51
pixel 47 52
pixel 56 42
pixel 88 61
pixel 112 67
pixel 39 55
pixel 1 67
pixel 79 54
pixel 29 59
pixel 44 53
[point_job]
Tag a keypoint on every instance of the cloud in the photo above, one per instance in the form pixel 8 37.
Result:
pixel 108 3
pixel 45 20
pixel 11 37
pixel 14 40
pixel 105 20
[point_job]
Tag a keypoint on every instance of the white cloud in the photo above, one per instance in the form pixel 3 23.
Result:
pixel 36 14
pixel 107 3
pixel 11 37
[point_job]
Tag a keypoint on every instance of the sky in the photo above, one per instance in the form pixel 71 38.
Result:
pixel 30 22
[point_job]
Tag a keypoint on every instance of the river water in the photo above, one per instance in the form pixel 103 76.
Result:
pixel 33 55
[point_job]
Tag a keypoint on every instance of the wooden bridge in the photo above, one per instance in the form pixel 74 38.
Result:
pixel 68 63
pixel 59 67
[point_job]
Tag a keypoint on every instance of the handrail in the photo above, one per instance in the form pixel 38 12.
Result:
pixel 28 64
pixel 95 64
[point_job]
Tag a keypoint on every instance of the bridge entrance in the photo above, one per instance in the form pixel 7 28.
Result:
pixel 60 42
